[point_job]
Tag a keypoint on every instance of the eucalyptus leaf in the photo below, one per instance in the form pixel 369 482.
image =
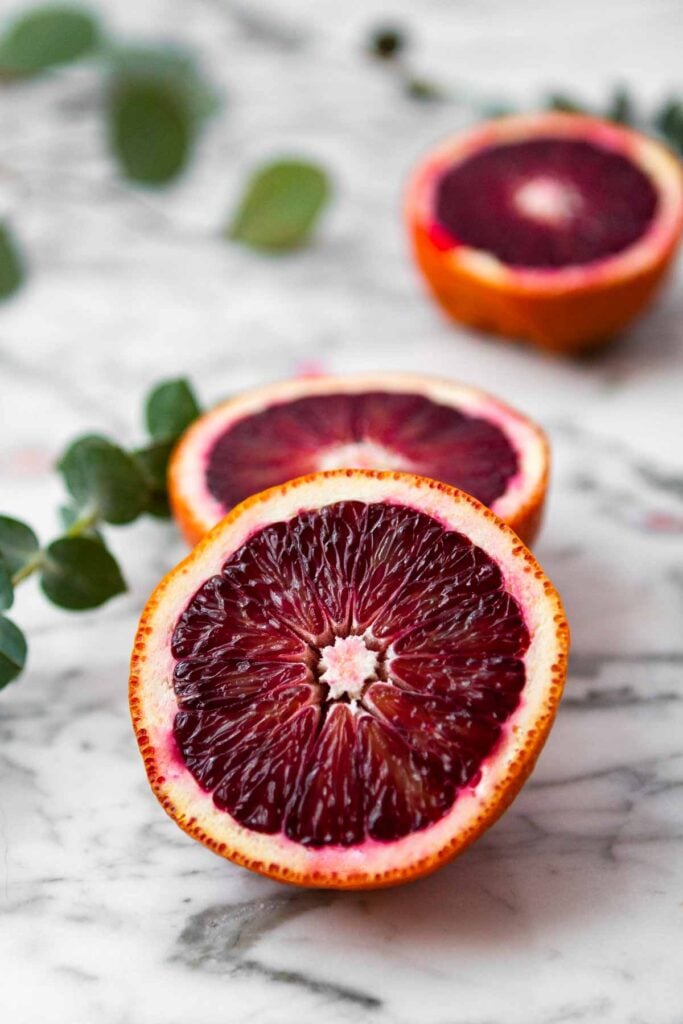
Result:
pixel 422 89
pixel 80 573
pixel 151 131
pixel 172 66
pixel 159 506
pixel 105 479
pixel 669 121
pixel 157 102
pixel 12 651
pixel 154 461
pixel 563 102
pixel 6 588
pixel 170 408
pixel 621 107
pixel 18 544
pixel 281 205
pixel 11 264
pixel 46 37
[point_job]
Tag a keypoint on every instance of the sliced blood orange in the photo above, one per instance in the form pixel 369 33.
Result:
pixel 556 228
pixel 349 679
pixel 417 424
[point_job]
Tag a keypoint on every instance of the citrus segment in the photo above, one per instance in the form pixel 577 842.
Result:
pixel 553 227
pixel 437 429
pixel 348 679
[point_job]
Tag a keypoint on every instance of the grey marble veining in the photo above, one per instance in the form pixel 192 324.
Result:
pixel 569 910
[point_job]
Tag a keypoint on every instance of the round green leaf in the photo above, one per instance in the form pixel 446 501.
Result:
pixel 80 573
pixel 103 477
pixel 150 129
pixel 6 588
pixel 170 408
pixel 172 67
pixel 669 120
pixel 565 103
pixel 11 265
pixel 12 651
pixel 45 37
pixel 18 544
pixel 621 107
pixel 281 206
pixel 154 462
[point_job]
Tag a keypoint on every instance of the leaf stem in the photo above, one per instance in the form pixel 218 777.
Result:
pixel 84 523
pixel 34 563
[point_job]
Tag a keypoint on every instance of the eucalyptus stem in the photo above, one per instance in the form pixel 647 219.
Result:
pixel 107 485
pixel 32 565
pixel 81 526
pixel 84 523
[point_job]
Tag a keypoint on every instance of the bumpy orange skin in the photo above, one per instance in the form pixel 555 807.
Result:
pixel 525 518
pixel 557 311
pixel 506 789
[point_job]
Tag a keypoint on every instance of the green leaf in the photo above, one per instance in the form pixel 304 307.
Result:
pixel 422 89
pixel 70 516
pixel 151 132
pixel 18 544
pixel 11 265
pixel 172 66
pixel 46 37
pixel 621 107
pixel 669 121
pixel 157 101
pixel 12 651
pixel 105 479
pixel 281 206
pixel 170 408
pixel 154 462
pixel 6 588
pixel 568 104
pixel 159 506
pixel 80 573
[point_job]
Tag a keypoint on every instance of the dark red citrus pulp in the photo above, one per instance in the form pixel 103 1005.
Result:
pixel 369 429
pixel 347 673
pixel 546 202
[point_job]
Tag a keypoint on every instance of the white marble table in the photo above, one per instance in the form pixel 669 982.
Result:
pixel 570 908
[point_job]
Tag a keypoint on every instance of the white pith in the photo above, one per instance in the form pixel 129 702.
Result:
pixel 189 465
pixel 660 165
pixel 361 455
pixel 346 665
pixel 152 685
pixel 546 200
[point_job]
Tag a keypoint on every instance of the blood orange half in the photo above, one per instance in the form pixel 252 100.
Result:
pixel 349 679
pixel 406 422
pixel 556 228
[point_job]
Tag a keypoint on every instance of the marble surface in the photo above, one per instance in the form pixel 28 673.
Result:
pixel 570 908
